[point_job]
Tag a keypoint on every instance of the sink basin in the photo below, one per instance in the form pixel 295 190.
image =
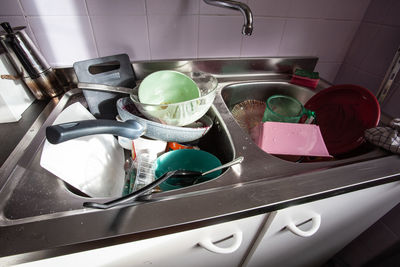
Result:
pixel 52 195
pixel 233 94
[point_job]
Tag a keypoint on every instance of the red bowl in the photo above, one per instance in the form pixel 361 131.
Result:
pixel 343 113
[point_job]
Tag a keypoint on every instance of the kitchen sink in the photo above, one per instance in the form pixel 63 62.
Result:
pixel 38 211
pixel 236 93
pixel 52 195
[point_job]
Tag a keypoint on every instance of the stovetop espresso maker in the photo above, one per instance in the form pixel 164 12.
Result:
pixel 29 63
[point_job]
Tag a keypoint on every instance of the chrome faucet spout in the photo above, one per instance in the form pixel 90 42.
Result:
pixel 242 7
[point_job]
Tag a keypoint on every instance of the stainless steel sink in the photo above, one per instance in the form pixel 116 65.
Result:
pixel 35 205
pixel 52 195
pixel 233 94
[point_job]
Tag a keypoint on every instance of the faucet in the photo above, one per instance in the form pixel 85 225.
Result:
pixel 242 7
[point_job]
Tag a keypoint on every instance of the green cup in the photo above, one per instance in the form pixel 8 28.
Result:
pixel 282 108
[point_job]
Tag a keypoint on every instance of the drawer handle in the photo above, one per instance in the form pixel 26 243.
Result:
pixel 210 246
pixel 316 223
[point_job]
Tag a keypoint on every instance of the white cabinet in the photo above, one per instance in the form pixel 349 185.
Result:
pixel 301 235
pixel 311 233
pixel 223 244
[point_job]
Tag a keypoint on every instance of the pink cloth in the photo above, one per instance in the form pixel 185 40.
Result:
pixel 290 139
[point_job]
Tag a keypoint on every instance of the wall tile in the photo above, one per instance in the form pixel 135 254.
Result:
pixel 333 39
pixel 344 9
pixel 116 7
pixel 182 7
pixel 206 9
pixel 361 44
pixel 14 21
pixel 265 39
pixel 391 107
pixel 220 36
pixel 382 51
pixel 392 17
pixel 173 36
pixel 327 70
pixel 392 218
pixel 377 238
pixel 353 255
pixel 275 8
pixel 122 34
pixel 378 10
pixel 350 74
pixel 346 74
pixel 64 40
pixel 10 8
pixel 369 81
pixel 307 8
pixel 53 8
pixel 369 244
pixel 300 37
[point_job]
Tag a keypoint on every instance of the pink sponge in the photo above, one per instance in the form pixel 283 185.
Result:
pixel 290 139
pixel 305 78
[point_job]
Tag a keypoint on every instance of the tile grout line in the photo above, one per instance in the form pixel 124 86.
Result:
pixel 198 30
pixel 281 40
pixel 148 29
pixel 92 30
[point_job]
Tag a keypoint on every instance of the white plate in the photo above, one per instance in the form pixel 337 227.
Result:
pixel 93 164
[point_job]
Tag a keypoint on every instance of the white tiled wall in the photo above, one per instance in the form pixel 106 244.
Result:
pixel 71 30
pixel 372 51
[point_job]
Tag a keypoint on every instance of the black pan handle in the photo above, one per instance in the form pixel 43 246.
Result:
pixel 56 134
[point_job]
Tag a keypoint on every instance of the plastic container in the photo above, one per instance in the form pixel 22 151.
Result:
pixel 145 170
pixel 182 113
pixel 282 108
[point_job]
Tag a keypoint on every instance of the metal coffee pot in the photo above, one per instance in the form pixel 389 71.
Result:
pixel 29 63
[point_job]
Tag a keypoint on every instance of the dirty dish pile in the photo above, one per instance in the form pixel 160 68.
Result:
pixel 178 99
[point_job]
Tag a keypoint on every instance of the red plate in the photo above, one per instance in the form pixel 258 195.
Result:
pixel 343 113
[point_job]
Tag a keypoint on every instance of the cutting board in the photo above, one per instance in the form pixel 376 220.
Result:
pixel 115 70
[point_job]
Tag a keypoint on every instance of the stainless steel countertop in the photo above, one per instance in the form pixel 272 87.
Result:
pixel 262 183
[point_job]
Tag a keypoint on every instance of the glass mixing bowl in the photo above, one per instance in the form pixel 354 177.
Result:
pixel 181 113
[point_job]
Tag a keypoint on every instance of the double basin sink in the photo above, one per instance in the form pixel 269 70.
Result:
pixel 31 195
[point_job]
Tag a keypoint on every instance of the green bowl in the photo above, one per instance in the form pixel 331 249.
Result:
pixel 182 113
pixel 185 159
pixel 167 87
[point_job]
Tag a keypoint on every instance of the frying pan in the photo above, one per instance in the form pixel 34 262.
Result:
pixel 343 113
pixel 132 127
